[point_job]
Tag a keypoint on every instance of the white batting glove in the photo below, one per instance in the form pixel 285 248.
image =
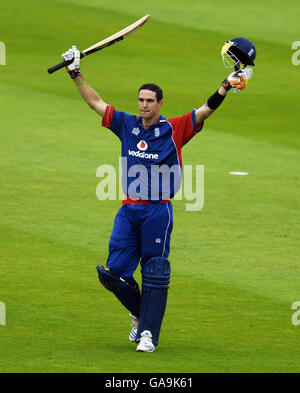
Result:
pixel 73 68
pixel 239 80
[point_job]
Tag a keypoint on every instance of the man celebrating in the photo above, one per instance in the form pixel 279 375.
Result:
pixel 151 146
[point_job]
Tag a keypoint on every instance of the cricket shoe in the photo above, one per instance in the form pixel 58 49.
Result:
pixel 146 344
pixel 134 330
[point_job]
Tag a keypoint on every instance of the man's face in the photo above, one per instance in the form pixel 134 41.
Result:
pixel 148 105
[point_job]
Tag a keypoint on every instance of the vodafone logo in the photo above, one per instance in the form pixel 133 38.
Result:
pixel 142 145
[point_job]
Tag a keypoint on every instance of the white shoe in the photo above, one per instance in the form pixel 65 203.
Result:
pixel 146 344
pixel 134 330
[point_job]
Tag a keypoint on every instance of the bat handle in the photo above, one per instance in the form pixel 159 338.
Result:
pixel 62 64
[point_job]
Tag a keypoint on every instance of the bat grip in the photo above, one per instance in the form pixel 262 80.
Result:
pixel 62 64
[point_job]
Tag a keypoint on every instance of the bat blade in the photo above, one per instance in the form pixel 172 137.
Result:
pixel 119 36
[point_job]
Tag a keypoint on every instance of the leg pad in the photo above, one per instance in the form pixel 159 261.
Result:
pixel 155 284
pixel 128 294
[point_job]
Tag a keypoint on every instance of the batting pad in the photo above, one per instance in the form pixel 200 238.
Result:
pixel 127 294
pixel 155 284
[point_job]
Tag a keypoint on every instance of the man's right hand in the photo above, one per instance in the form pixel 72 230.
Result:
pixel 73 68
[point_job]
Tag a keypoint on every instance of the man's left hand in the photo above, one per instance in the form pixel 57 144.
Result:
pixel 239 80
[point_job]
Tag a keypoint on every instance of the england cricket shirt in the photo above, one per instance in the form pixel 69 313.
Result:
pixel 151 158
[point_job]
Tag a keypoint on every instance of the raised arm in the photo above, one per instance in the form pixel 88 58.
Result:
pixel 90 96
pixel 236 81
pixel 210 106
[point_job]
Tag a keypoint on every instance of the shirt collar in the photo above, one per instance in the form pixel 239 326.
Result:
pixel 140 123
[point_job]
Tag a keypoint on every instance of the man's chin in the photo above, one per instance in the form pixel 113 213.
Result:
pixel 146 116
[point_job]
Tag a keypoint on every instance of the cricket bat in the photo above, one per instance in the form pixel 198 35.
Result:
pixel 119 36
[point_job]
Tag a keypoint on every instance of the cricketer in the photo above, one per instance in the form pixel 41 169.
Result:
pixel 142 228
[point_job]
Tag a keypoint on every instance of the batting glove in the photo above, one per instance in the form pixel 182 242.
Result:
pixel 74 68
pixel 238 80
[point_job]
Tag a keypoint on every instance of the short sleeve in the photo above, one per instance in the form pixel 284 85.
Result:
pixel 114 120
pixel 184 128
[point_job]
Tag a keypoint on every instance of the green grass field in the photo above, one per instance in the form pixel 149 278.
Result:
pixel 235 264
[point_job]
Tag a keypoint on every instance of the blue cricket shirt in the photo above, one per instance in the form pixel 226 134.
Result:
pixel 151 158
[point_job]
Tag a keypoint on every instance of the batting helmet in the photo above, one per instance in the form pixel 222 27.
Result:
pixel 238 53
